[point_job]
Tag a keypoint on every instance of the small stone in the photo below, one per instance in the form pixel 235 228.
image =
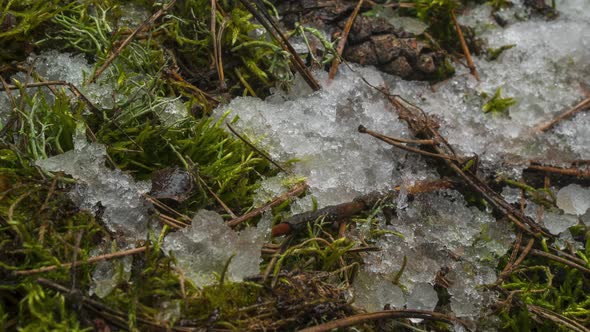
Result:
pixel 399 67
pixel 426 63
pixel 363 53
pixel 172 183
pixel 387 47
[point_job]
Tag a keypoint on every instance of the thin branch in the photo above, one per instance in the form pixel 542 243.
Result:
pixel 77 263
pixel 584 104
pixel 264 18
pixel 581 173
pixel 343 39
pixel 396 143
pixel 345 210
pixel 217 198
pixel 293 192
pixel 214 40
pixel 260 152
pixel 464 47
pixel 560 260
pixel 423 125
pixel 557 318
pixel 129 39
pixel 386 314
pixel 106 310
pixel 69 85
pixel 509 269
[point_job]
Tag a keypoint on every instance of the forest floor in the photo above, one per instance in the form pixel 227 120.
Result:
pixel 225 165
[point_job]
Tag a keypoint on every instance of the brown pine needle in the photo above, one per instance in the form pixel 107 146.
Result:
pixel 94 259
pixel 562 260
pixel 386 314
pixel 584 104
pixel 343 39
pixel 464 47
pixel 581 173
pixel 295 191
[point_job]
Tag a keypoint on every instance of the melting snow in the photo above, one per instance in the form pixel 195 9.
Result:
pixel 208 244
pixel 574 199
pixel 125 210
pixel 545 73
pixel 320 130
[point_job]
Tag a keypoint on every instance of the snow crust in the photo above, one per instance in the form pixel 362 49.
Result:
pixel 545 73
pixel 99 187
pixel 206 246
pixel 320 130
pixel 574 199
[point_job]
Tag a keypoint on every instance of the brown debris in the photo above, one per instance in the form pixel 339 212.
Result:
pixel 581 106
pixel 344 38
pixel 172 183
pixel 343 211
pixel 386 314
pixel 371 41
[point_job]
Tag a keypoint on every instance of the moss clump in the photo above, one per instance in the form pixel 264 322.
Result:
pixel 497 104
pixel 560 291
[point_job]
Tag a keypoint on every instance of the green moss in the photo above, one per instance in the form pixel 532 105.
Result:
pixel 497 104
pixel 494 53
pixel 550 285
pixel 499 4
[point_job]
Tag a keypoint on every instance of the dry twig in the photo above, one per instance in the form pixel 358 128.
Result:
pixel 94 259
pixel 464 47
pixel 295 191
pixel 386 314
pixel 423 125
pixel 560 260
pixel 264 18
pixel 345 210
pixel 343 39
pixel 584 104
pixel 580 173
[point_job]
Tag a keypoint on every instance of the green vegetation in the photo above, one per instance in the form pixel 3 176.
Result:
pixel 496 104
pixel 499 4
pixel 494 53
pixel 177 59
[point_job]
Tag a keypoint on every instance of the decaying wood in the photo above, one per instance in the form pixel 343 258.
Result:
pixel 346 210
